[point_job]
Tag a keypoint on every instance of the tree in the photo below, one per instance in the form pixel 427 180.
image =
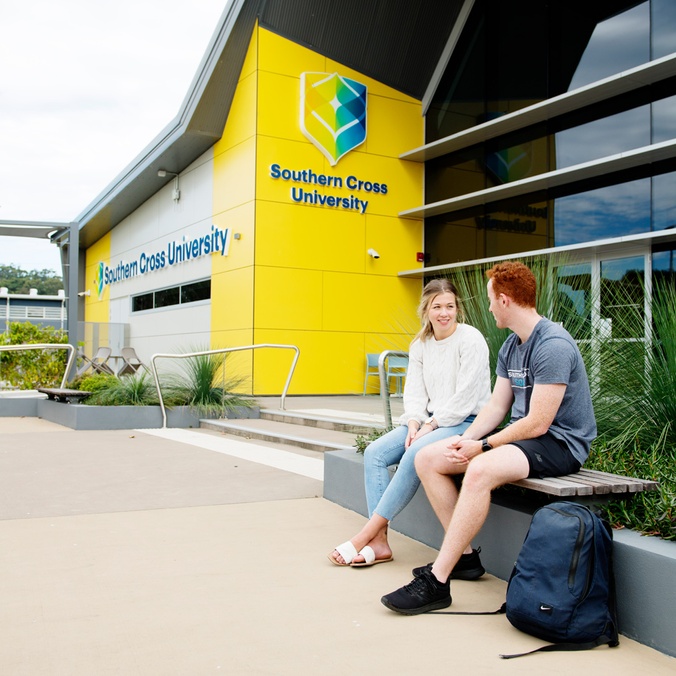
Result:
pixel 21 281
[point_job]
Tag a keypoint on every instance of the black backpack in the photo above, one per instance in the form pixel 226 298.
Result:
pixel 562 588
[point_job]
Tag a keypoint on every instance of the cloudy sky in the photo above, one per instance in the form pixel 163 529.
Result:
pixel 85 85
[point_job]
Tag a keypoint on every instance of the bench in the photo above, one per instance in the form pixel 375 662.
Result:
pixel 585 486
pixel 63 395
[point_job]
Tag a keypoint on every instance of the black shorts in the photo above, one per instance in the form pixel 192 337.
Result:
pixel 547 456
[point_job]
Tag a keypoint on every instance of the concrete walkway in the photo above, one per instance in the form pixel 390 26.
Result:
pixel 151 553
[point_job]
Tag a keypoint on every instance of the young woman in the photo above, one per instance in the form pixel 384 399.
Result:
pixel 447 383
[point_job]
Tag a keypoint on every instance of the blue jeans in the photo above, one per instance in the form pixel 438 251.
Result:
pixel 387 498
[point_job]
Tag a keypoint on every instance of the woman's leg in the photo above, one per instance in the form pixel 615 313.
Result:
pixel 397 494
pixel 405 482
pixel 378 456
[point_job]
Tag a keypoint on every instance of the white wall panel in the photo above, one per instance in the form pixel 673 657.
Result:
pixel 148 230
pixel 162 220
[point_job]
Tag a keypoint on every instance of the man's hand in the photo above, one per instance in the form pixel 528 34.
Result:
pixel 461 451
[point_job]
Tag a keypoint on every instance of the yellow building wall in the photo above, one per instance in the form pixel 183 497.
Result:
pixel 300 274
pixel 97 308
pixel 234 193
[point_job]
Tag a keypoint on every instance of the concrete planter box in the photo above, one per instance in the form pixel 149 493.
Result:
pixel 19 405
pixel 82 417
pixel 645 567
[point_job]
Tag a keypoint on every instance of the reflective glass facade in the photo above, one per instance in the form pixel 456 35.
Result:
pixel 517 53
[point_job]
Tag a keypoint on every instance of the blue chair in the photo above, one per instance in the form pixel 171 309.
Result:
pixel 395 367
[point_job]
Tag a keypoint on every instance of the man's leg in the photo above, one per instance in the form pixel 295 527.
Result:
pixel 431 589
pixel 484 473
pixel 436 474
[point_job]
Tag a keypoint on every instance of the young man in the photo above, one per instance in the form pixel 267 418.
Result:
pixel 542 378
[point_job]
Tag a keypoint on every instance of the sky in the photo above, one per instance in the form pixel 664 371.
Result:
pixel 85 86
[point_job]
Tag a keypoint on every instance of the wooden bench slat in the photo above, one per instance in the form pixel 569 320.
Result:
pixel 613 483
pixel 588 482
pixel 598 487
pixel 629 484
pixel 558 486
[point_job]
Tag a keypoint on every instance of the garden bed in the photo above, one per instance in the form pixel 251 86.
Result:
pixel 83 417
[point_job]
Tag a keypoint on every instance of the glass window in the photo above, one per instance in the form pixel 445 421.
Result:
pixel 142 302
pixel 664 261
pixel 618 43
pixel 663 27
pixel 664 117
pixel 167 297
pixel 664 204
pixel 191 293
pixel 622 297
pixel 614 211
pixel 574 302
pixel 608 136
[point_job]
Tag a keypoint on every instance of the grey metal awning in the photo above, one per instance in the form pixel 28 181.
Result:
pixel 35 229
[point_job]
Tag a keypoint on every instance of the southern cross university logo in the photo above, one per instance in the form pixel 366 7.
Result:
pixel 99 279
pixel 332 113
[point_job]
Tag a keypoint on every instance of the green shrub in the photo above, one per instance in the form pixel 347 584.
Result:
pixel 30 369
pixel 94 382
pixel 132 390
pixel 363 440
pixel 650 512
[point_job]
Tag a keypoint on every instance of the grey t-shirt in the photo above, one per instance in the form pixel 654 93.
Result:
pixel 550 356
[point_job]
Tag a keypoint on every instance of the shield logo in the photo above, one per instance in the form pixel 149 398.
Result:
pixel 99 280
pixel 332 113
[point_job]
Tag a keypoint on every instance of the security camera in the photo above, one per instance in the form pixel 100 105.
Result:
pixel 373 253
pixel 87 293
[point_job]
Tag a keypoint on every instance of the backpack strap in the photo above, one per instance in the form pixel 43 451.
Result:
pixel 500 611
pixel 601 640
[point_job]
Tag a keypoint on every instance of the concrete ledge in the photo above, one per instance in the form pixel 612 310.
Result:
pixel 645 567
pixel 20 406
pixel 82 417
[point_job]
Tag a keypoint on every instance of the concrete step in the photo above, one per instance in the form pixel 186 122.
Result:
pixel 336 422
pixel 292 434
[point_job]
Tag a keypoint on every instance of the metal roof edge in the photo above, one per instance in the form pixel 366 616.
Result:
pixel 178 128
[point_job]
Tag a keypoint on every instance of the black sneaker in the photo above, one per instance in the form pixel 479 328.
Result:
pixel 422 594
pixel 468 568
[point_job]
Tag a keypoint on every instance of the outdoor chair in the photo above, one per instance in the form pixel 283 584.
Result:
pixel 99 362
pixel 131 362
pixel 395 368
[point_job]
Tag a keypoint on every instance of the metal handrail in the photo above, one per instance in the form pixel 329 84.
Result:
pixel 385 384
pixel 47 346
pixel 185 355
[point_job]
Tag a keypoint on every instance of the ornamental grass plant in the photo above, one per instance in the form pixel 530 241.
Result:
pixel 202 384
pixel 633 380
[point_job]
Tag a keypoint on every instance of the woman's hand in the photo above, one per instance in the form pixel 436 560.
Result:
pixel 413 428
pixel 415 432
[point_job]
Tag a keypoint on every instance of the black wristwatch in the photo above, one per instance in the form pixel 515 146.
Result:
pixel 485 446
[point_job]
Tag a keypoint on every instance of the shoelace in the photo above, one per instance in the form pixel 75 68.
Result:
pixel 422 585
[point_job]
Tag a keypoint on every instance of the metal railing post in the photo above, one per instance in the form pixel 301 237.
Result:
pixel 384 383
pixel 224 350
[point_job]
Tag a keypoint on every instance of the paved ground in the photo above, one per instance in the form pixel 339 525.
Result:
pixel 130 552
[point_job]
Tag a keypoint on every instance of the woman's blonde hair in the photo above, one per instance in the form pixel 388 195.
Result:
pixel 430 292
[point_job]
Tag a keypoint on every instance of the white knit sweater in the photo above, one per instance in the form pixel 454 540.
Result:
pixel 448 379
